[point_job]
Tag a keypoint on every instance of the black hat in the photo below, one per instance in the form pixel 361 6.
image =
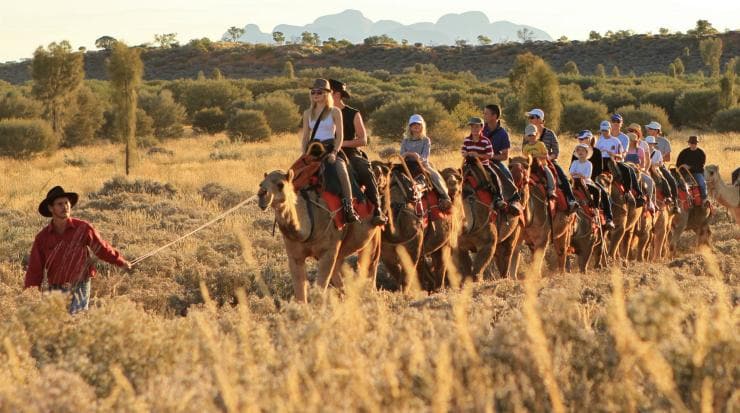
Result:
pixel 693 139
pixel 54 193
pixel 337 86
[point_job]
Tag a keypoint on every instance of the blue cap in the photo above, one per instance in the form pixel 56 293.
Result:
pixel 617 116
pixel 536 112
pixel 585 134
pixel 605 125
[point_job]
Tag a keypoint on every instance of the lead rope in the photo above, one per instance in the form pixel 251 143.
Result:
pixel 207 224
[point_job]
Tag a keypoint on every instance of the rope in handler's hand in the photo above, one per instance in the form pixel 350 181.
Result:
pixel 207 224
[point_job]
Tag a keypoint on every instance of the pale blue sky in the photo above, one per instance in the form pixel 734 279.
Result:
pixel 26 24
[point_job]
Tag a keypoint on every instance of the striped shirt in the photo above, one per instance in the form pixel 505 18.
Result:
pixel 481 147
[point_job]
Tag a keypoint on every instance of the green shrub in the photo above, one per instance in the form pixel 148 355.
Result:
pixel 14 105
pixel 446 135
pixel 448 98
pixel 209 120
pixel 282 114
pixel 144 124
pixel 582 114
pixel 167 115
pixel 697 107
pixel 85 120
pixel 389 121
pixel 727 120
pixel 210 93
pixel 248 126
pixel 371 103
pixel 644 114
pixel 666 99
pixel 462 113
pixel 25 137
pixel 570 93
pixel 571 68
pixel 616 98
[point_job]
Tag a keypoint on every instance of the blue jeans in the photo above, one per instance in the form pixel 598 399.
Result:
pixel 702 184
pixel 564 183
pixel 80 292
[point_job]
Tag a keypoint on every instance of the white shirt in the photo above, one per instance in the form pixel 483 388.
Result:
pixel 608 145
pixel 646 150
pixel 326 128
pixel 583 168
pixel 656 159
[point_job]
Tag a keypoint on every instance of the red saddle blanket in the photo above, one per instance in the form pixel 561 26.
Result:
pixel 483 195
pixel 334 204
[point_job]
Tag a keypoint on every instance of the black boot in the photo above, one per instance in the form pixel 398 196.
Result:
pixel 350 215
pixel 379 218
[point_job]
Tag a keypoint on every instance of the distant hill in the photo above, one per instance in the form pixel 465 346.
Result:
pixel 641 54
pixel 352 25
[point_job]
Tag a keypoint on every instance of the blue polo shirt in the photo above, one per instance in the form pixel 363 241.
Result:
pixel 498 136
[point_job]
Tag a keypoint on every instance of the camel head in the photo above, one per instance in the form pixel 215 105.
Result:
pixel 275 189
pixel 381 171
pixel 712 173
pixel 453 179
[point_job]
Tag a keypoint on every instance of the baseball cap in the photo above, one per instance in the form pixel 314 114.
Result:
pixel 605 125
pixel 650 139
pixel 530 130
pixel 616 116
pixel 536 112
pixel 416 119
pixel 475 121
pixel 654 125
pixel 585 134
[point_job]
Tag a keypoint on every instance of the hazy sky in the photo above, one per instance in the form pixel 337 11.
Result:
pixel 26 24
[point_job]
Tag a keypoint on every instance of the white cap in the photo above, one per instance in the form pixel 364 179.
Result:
pixel 605 125
pixel 416 119
pixel 654 125
pixel 536 112
pixel 530 130
pixel 650 139
pixel 584 134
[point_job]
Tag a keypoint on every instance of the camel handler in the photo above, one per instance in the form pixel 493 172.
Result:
pixel 355 137
pixel 61 251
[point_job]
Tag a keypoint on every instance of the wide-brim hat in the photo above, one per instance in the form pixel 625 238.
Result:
pixel 589 150
pixel 322 84
pixel 341 87
pixel 651 139
pixel 693 139
pixel 635 126
pixel 54 193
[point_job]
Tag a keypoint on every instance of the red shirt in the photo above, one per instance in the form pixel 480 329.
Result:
pixel 482 147
pixel 66 257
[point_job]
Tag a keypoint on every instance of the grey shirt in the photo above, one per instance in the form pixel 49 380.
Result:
pixel 663 145
pixel 421 146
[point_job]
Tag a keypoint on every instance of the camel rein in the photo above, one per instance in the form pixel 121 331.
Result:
pixel 207 224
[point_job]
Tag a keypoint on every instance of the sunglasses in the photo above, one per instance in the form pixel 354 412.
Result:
pixel 534 117
pixel 318 92
pixel 584 138
pixel 631 130
pixel 616 121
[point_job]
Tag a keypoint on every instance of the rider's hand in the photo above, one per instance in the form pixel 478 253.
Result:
pixel 331 158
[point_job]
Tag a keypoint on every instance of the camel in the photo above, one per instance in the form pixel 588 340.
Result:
pixel 309 231
pixel 663 219
pixel 478 234
pixel 643 233
pixel 625 214
pixel 509 229
pixel 588 236
pixel 692 217
pixel 404 229
pixel 726 195
pixel 540 228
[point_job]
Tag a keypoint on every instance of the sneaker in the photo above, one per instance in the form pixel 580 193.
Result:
pixel 629 198
pixel 515 208
pixel 639 201
pixel 445 204
pixel 499 204
pixel 551 194
pixel 572 206
pixel 609 224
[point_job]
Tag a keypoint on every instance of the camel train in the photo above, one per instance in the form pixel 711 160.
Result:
pixel 441 228
pixel 470 239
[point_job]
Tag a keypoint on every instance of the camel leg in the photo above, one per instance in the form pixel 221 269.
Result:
pixel 465 264
pixel 483 259
pixel 326 268
pixel 300 279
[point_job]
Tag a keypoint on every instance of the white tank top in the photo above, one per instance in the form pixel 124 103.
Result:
pixel 326 129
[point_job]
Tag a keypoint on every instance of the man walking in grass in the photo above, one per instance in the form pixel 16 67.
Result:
pixel 61 251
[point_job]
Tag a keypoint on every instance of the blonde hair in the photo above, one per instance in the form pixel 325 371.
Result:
pixel 328 100
pixel 408 135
